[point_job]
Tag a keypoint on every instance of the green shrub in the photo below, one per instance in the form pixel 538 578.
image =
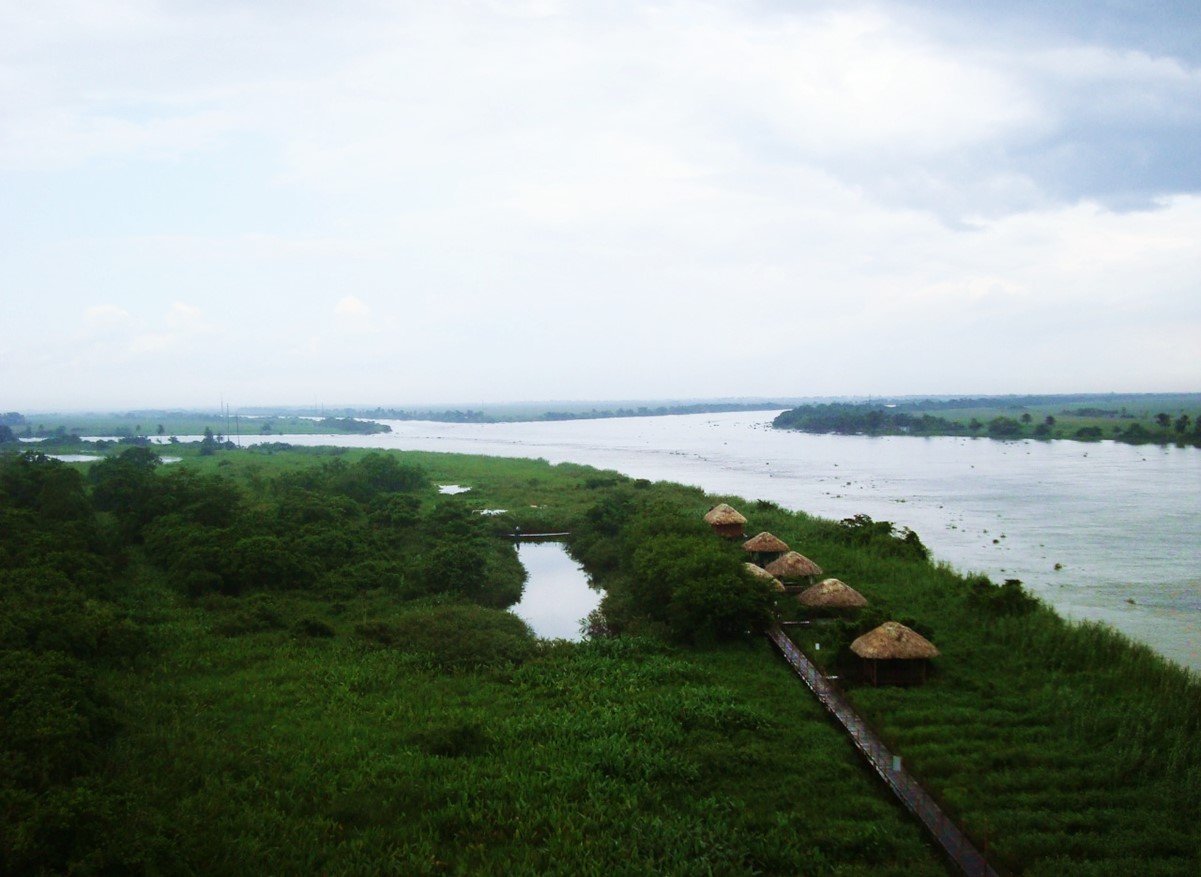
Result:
pixel 314 627
pixel 455 636
pixel 53 719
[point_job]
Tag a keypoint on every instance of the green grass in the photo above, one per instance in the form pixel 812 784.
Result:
pixel 1071 748
pixel 330 755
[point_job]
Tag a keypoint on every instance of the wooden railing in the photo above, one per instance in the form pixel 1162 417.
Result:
pixel 915 798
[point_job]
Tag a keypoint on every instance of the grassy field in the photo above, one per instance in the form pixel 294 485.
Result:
pixel 329 755
pixel 342 730
pixel 1070 417
pixel 1070 748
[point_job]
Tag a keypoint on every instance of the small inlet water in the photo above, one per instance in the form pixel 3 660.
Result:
pixel 556 597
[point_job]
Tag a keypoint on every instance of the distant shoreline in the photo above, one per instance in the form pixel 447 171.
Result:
pixel 1160 419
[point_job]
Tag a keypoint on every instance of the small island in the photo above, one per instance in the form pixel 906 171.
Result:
pixel 1163 418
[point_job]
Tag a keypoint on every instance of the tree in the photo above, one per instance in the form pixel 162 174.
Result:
pixel 1182 423
pixel 6 434
pixel 159 429
pixel 1164 420
pixel 124 485
pixel 1049 421
pixel 1026 418
pixel 1004 427
pixel 208 444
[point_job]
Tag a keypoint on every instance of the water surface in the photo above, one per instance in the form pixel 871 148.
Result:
pixel 556 597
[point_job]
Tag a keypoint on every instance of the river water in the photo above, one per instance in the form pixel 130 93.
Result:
pixel 1123 521
pixel 556 597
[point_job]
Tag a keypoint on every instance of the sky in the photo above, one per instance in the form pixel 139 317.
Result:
pixel 386 203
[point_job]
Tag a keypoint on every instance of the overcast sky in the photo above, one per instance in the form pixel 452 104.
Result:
pixel 286 201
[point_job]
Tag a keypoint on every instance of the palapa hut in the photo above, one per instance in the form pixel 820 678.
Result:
pixel 892 654
pixel 760 573
pixel 793 567
pixel 765 547
pixel 831 594
pixel 726 521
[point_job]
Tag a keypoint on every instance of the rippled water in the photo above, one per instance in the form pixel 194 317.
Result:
pixel 1123 520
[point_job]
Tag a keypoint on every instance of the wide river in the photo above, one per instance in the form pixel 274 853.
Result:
pixel 1123 521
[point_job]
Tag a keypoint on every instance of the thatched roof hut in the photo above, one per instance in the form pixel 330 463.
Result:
pixel 765 547
pixel 765 542
pixel 893 653
pixel 760 573
pixel 794 565
pixel 726 521
pixel 831 594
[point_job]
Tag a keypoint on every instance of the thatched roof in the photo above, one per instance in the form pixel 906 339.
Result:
pixel 723 514
pixel 760 573
pixel 765 542
pixel 831 594
pixel 892 641
pixel 793 565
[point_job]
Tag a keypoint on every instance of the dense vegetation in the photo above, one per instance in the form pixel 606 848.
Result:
pixel 282 661
pixel 275 661
pixel 1169 419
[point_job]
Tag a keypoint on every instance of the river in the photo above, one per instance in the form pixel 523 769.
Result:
pixel 1122 521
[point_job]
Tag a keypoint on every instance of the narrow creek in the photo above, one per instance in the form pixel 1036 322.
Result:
pixel 557 596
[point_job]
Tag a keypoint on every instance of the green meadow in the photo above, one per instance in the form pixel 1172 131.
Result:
pixel 293 661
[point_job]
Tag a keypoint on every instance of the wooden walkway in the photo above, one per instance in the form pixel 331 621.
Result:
pixel 916 799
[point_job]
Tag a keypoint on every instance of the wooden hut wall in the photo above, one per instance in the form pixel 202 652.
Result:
pixel 894 672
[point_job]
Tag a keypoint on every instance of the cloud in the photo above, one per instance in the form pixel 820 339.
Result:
pixel 152 343
pixel 106 315
pixel 352 307
pixel 535 184
pixel 185 316
pixel 442 106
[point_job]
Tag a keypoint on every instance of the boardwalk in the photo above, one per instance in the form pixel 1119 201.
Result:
pixel 912 795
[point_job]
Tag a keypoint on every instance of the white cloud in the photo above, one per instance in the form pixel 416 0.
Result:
pixel 152 343
pixel 106 314
pixel 536 184
pixel 351 306
pixel 185 316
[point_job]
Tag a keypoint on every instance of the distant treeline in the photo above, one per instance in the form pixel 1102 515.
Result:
pixel 140 424
pixel 470 416
pixel 1097 404
pixel 909 419
pixel 351 425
